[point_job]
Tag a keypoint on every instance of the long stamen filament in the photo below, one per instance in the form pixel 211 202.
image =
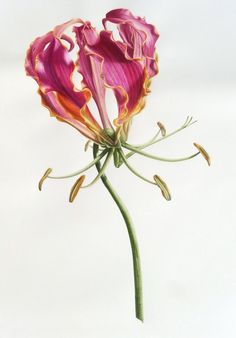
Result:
pixel 133 170
pixel 127 146
pixel 103 169
pixel 98 158
pixel 146 144
pixel 186 124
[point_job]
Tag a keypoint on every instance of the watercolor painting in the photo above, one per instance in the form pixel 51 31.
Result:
pixel 118 221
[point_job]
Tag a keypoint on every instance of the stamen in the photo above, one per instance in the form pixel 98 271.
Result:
pixel 127 146
pixel 76 187
pixel 162 128
pixel 203 153
pixel 133 170
pixel 45 175
pixel 87 144
pixel 103 169
pixel 188 122
pixel 98 158
pixel 146 144
pixel 162 185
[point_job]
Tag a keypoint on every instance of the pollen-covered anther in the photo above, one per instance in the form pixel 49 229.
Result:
pixel 162 129
pixel 45 175
pixel 203 152
pixel 87 144
pixel 76 187
pixel 162 185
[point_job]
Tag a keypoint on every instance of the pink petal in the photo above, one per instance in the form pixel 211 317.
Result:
pixel 90 66
pixel 50 101
pixel 54 69
pixel 49 63
pixel 35 48
pixel 126 77
pixel 139 36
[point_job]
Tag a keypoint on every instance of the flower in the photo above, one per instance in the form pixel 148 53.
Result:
pixel 125 67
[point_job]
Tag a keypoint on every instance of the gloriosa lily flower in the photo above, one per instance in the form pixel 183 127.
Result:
pixel 125 66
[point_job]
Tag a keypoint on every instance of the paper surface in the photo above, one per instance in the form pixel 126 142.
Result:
pixel 66 269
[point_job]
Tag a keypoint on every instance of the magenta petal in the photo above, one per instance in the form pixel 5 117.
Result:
pixel 54 69
pixel 90 66
pixel 139 36
pixel 36 47
pixel 49 63
pixel 126 77
pixel 50 101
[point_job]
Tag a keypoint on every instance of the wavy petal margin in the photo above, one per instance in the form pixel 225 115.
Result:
pixel 127 77
pixel 89 66
pixel 139 36
pixel 125 67
pixel 49 63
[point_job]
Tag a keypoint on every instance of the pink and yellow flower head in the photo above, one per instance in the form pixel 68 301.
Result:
pixel 125 66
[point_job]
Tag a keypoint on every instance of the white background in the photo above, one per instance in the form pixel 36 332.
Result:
pixel 65 268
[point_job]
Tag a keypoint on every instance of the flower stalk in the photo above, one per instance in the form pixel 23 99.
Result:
pixel 132 238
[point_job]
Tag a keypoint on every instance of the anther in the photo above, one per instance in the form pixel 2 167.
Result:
pixel 76 187
pixel 45 175
pixel 162 185
pixel 203 153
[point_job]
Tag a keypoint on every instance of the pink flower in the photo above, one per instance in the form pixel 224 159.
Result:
pixel 124 66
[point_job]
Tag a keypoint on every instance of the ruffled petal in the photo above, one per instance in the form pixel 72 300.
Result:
pixel 139 36
pixel 51 101
pixel 90 66
pixel 49 63
pixel 36 47
pixel 127 77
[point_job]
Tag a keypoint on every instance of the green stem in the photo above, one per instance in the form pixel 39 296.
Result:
pixel 132 238
pixel 102 169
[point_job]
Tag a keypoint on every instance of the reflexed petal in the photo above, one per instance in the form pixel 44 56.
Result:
pixel 90 66
pixel 49 63
pixel 50 100
pixel 36 47
pixel 54 69
pixel 127 77
pixel 139 36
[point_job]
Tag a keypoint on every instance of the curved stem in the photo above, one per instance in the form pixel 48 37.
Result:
pixel 102 169
pixel 132 238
